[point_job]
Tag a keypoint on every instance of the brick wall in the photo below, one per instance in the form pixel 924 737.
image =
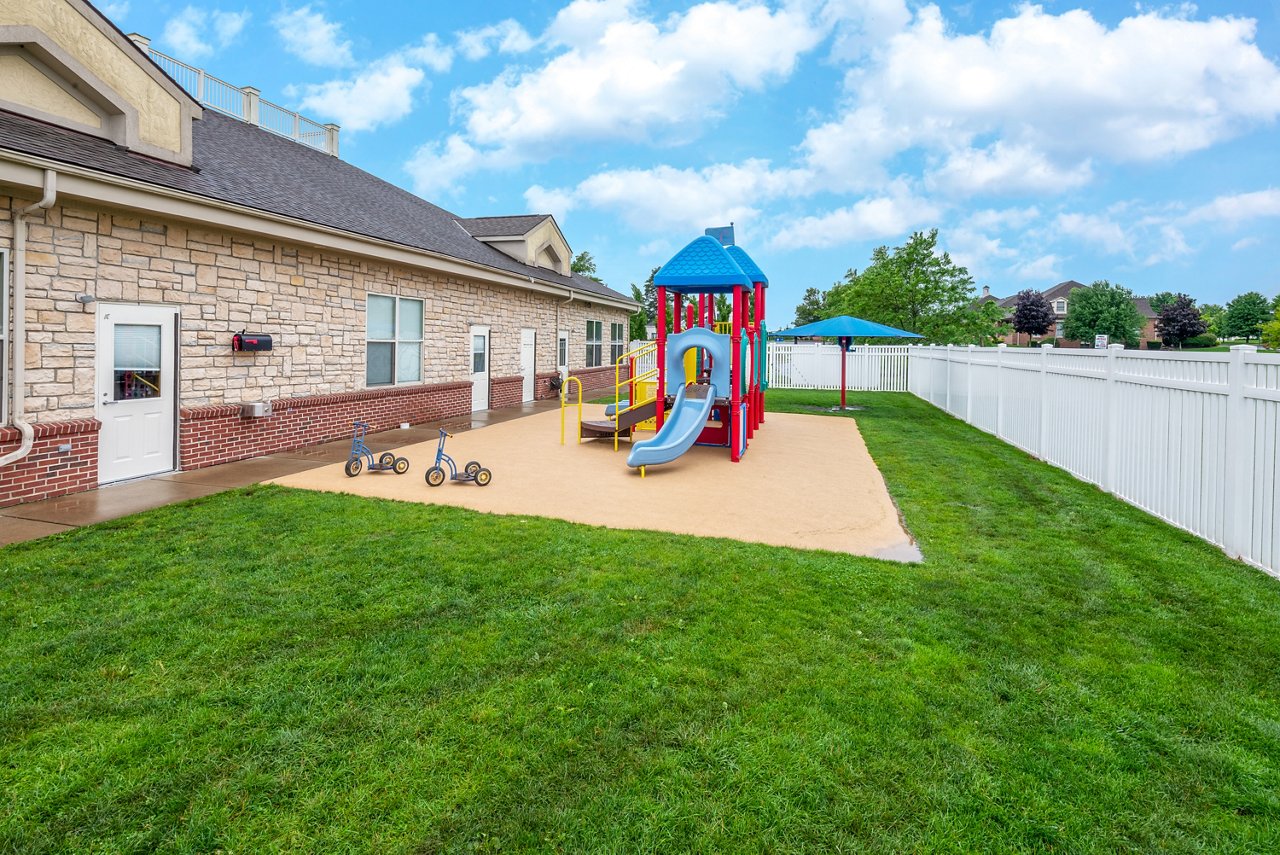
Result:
pixel 506 391
pixel 47 472
pixel 217 433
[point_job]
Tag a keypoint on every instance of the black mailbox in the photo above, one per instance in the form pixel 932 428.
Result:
pixel 246 341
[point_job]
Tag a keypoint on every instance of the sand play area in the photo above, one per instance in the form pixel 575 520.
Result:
pixel 806 482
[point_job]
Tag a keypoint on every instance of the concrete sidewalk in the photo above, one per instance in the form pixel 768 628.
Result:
pixel 38 519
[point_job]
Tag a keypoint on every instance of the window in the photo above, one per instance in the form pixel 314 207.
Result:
pixel 393 335
pixel 595 336
pixel 1057 330
pixel 617 344
pixel 4 336
pixel 1060 306
pixel 562 348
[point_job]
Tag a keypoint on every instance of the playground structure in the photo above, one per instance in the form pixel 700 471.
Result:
pixel 708 383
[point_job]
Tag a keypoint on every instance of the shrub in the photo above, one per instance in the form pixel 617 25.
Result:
pixel 1202 340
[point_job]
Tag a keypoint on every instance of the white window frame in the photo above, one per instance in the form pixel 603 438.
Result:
pixel 1060 306
pixel 595 346
pixel 395 341
pixel 617 341
pixel 4 336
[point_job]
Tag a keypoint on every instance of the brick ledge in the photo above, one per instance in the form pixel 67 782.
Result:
pixel 44 430
pixel 218 411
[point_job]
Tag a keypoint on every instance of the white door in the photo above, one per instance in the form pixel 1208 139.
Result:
pixel 136 391
pixel 528 349
pixel 562 353
pixel 479 368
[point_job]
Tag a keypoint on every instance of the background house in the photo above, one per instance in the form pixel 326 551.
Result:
pixel 1059 296
pixel 141 229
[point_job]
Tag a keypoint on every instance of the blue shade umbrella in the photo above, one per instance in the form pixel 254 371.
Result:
pixel 844 328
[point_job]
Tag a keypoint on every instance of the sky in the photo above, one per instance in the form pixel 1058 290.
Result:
pixel 1066 140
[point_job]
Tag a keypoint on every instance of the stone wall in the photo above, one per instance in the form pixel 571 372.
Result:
pixel 311 301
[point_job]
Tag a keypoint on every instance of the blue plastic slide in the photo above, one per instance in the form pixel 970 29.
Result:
pixel 679 432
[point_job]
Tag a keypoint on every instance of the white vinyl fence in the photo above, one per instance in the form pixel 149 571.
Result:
pixel 1190 438
pixel 876 368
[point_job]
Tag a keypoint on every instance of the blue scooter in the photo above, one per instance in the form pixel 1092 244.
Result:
pixel 360 452
pixel 473 471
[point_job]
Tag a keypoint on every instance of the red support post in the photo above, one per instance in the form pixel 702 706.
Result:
pixel 760 300
pixel 678 312
pixel 661 356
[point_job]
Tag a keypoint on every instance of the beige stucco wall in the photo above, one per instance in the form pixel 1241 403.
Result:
pixel 159 113
pixel 23 83
pixel 310 300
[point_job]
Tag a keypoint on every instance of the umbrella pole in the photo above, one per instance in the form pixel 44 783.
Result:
pixel 844 360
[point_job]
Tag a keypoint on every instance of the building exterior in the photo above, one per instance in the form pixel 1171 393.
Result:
pixel 141 231
pixel 1059 296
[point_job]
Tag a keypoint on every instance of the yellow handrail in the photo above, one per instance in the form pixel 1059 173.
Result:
pixel 564 394
pixel 724 327
pixel 618 383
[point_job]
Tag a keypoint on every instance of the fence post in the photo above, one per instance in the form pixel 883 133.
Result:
pixel 251 98
pixel 1236 481
pixel 949 349
pixel 1044 400
pixel 968 384
pixel 1000 349
pixel 1112 440
pixel 331 139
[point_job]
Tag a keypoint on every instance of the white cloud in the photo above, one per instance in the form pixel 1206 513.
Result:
pixel 1244 243
pixel 634 79
pixel 313 38
pixel 1172 246
pixel 1095 230
pixel 379 95
pixel 505 36
pixel 1005 169
pixel 558 203
pixel 115 11
pixel 431 53
pixel 869 218
pixel 1054 92
pixel 1044 267
pixel 1237 208
pixel 188 31
pixel 435 167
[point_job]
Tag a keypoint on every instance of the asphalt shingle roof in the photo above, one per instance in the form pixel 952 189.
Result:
pixel 501 226
pixel 242 164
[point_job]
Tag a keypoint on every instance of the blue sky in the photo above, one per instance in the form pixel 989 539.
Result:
pixel 1068 140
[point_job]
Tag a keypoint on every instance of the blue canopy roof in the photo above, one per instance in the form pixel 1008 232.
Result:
pixel 845 325
pixel 749 267
pixel 702 267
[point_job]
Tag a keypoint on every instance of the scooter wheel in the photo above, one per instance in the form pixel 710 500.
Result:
pixel 354 467
pixel 483 477
pixel 386 460
pixel 401 465
pixel 435 476
pixel 472 467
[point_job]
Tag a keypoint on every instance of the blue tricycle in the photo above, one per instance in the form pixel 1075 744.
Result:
pixel 473 471
pixel 360 451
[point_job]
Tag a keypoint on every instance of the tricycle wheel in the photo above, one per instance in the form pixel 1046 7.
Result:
pixel 472 467
pixel 401 465
pixel 483 477
pixel 353 467
pixel 435 476
pixel 386 460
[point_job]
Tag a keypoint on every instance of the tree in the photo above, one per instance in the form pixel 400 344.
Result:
pixel 637 321
pixel 1032 313
pixel 1180 321
pixel 584 264
pixel 1271 332
pixel 1162 299
pixel 1245 316
pixel 915 288
pixel 1103 309
pixel 1275 303
pixel 812 307
pixel 1212 314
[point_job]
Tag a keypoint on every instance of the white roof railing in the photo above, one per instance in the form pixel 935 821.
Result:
pixel 243 102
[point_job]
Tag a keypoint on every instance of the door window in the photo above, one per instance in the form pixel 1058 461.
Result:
pixel 478 354
pixel 136 372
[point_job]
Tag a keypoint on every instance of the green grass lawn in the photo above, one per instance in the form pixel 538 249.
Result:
pixel 270 670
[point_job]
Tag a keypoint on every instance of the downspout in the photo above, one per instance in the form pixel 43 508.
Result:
pixel 20 317
pixel 564 376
